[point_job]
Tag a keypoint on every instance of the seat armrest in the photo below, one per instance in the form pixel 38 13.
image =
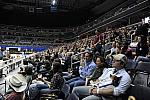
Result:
pixel 49 91
pixel 87 80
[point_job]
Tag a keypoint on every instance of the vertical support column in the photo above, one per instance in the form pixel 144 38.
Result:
pixel 129 21
pixel 1 72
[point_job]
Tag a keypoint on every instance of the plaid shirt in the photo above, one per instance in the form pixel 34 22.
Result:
pixel 14 96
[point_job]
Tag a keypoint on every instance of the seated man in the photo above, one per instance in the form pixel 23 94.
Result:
pixel 104 86
pixel 84 71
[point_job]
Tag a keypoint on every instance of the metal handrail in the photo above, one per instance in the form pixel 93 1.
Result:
pixel 10 62
pixel 4 82
pixel 129 9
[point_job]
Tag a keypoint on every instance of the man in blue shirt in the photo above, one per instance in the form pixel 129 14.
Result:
pixel 84 71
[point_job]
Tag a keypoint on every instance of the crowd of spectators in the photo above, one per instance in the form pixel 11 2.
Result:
pixel 31 35
pixel 92 68
pixel 101 67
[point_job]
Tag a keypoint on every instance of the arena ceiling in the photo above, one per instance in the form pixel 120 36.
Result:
pixel 64 13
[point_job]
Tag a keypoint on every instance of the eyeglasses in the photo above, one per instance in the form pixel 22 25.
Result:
pixel 115 60
pixel 87 56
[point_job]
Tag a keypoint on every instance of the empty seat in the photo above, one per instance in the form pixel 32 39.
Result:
pixel 139 92
pixel 142 74
pixel 131 65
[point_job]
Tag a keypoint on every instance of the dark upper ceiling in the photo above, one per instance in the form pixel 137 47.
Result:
pixel 69 13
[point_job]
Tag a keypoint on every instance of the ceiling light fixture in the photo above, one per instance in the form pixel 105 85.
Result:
pixel 53 5
pixel 53 2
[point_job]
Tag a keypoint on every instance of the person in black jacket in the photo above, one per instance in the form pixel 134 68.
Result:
pixel 142 47
pixel 143 30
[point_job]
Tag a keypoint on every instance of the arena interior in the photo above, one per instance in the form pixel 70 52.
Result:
pixel 74 49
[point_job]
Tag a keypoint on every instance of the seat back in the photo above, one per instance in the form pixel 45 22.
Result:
pixel 66 90
pixel 142 74
pixel 131 65
pixel 143 67
pixel 139 92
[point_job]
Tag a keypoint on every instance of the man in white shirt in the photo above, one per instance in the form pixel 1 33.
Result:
pixel 104 86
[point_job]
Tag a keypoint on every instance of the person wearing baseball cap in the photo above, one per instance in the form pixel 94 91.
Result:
pixel 120 57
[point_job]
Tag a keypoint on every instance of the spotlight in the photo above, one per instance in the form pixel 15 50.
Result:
pixel 53 2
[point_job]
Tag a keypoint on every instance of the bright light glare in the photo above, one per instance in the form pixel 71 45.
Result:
pixel 53 2
pixel 147 19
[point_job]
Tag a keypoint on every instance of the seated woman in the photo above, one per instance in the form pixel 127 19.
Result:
pixel 18 84
pixel 100 66
pixel 55 83
pixel 126 50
